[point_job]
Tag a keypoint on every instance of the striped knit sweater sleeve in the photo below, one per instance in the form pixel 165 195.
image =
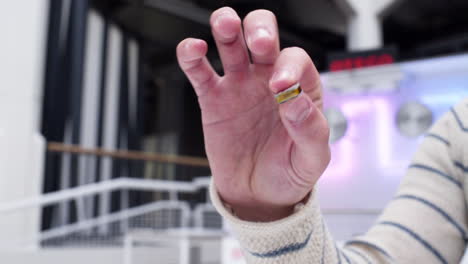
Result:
pixel 426 222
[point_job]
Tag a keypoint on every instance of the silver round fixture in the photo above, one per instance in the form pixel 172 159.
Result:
pixel 413 119
pixel 337 123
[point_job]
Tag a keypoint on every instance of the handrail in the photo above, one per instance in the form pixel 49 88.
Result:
pixel 118 216
pixel 142 185
pixel 128 154
pixel 106 186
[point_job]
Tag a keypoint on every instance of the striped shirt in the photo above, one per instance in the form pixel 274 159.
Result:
pixel 426 222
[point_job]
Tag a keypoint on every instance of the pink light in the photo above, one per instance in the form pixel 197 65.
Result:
pixel 343 151
pixel 342 163
pixel 356 107
pixel 383 127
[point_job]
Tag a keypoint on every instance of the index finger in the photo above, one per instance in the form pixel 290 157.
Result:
pixel 191 55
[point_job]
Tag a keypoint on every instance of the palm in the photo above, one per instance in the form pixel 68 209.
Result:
pixel 244 135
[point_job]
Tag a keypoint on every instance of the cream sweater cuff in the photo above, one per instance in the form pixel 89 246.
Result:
pixel 264 239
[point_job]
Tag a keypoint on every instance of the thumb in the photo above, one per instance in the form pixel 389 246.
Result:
pixel 308 128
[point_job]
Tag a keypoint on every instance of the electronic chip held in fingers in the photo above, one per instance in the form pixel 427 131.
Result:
pixel 288 94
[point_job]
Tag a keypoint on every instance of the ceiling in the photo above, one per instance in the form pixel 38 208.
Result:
pixel 418 28
pixel 318 26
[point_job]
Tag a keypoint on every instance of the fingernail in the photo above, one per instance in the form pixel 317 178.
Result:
pixel 262 33
pixel 225 32
pixel 220 17
pixel 283 74
pixel 258 41
pixel 280 80
pixel 298 109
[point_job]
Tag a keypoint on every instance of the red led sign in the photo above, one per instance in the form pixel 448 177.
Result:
pixel 361 62
pixel 350 61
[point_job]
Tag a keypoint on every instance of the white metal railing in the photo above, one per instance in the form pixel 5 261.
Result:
pixel 192 219
pixel 88 156
pixel 179 241
pixel 120 216
pixel 198 214
pixel 107 186
pixel 79 193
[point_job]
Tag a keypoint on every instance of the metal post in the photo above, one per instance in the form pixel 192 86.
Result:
pixel 110 120
pixel 184 246
pixel 128 249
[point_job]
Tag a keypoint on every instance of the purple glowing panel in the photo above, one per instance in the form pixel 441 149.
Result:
pixel 369 161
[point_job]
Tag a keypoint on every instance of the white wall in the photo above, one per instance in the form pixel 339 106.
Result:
pixel 23 26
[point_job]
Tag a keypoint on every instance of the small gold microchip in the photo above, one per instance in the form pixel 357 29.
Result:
pixel 288 94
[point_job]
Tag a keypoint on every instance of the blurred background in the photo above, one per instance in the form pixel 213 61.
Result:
pixel 101 146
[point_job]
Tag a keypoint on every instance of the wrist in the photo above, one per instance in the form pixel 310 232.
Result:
pixel 261 212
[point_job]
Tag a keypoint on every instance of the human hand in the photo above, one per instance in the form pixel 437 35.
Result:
pixel 264 157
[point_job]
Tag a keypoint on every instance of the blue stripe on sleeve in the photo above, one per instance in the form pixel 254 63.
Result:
pixel 338 254
pixel 346 257
pixel 283 250
pixel 437 209
pixel 441 139
pixel 446 176
pixel 359 254
pixel 461 166
pixel 460 124
pixel 371 245
pixel 423 242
